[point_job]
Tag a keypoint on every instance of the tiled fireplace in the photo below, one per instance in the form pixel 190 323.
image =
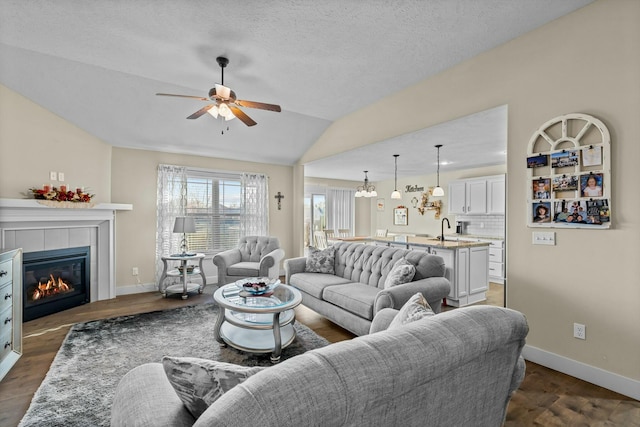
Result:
pixel 46 231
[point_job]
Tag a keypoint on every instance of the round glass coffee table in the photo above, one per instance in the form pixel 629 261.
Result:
pixel 256 323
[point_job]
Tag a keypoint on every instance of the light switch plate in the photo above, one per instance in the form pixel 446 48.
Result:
pixel 61 176
pixel 53 176
pixel 544 238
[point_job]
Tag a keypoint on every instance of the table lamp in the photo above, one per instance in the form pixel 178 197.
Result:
pixel 184 225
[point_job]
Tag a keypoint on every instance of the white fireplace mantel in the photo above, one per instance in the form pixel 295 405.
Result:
pixel 23 221
pixel 23 209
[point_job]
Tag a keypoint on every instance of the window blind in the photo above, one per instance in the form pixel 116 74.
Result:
pixel 214 200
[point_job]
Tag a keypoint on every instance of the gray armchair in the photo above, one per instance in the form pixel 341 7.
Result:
pixel 255 256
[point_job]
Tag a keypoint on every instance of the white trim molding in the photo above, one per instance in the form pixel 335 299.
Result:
pixel 34 226
pixel 600 377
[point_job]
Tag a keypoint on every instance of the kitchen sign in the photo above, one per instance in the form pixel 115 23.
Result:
pixel 413 189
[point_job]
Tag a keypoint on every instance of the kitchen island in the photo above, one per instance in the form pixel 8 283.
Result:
pixel 466 263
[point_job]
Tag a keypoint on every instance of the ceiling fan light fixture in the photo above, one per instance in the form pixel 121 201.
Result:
pixel 213 111
pixel 396 194
pixel 223 91
pixel 225 111
pixel 438 191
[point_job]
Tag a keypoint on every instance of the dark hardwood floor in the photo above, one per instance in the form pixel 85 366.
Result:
pixel 545 398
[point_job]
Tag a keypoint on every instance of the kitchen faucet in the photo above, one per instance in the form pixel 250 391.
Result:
pixel 442 228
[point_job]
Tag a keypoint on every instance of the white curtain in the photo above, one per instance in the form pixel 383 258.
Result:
pixel 171 202
pixel 341 208
pixel 255 205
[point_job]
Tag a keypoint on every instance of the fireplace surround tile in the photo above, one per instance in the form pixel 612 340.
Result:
pixel 80 237
pixel 56 238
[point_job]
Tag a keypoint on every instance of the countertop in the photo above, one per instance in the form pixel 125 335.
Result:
pixel 431 242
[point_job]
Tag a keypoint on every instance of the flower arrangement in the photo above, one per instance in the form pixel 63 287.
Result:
pixel 61 195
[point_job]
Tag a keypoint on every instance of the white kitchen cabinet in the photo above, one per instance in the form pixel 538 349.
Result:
pixel 496 261
pixel 457 197
pixel 496 195
pixel 478 196
pixel 468 271
pixel 468 197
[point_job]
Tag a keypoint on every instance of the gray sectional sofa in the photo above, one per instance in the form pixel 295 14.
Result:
pixel 355 292
pixel 453 369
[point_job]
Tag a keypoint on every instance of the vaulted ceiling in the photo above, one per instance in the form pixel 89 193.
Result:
pixel 99 64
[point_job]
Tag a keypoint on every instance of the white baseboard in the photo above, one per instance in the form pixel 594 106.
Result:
pixel 136 289
pixel 149 287
pixel 600 377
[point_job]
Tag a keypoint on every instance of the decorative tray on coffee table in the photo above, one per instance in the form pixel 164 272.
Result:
pixel 257 286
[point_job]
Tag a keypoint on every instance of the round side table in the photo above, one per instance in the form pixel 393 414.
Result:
pixel 185 287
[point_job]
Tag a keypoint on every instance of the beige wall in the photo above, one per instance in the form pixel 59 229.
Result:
pixel 427 223
pixel 584 62
pixel 34 141
pixel 134 181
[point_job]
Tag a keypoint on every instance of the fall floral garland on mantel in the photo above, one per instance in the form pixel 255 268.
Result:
pixel 53 194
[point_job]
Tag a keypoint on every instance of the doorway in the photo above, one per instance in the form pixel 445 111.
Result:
pixel 315 217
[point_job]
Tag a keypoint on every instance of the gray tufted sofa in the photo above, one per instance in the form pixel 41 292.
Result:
pixel 457 368
pixel 355 293
pixel 255 256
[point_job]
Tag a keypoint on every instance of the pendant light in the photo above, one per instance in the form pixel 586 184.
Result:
pixel 396 194
pixel 438 191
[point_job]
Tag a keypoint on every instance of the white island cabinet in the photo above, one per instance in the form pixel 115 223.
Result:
pixel 467 269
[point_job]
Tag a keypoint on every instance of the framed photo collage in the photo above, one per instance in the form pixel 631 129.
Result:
pixel 569 184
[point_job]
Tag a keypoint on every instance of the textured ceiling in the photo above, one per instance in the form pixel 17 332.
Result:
pixel 98 64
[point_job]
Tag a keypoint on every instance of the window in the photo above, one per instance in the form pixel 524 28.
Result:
pixel 225 205
pixel 215 203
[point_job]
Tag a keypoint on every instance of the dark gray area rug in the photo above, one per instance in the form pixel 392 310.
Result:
pixel 78 389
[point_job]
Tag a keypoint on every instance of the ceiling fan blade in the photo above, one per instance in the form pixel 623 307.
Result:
pixel 242 116
pixel 200 112
pixel 260 105
pixel 183 96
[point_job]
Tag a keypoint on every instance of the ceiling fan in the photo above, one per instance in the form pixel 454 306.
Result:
pixel 225 102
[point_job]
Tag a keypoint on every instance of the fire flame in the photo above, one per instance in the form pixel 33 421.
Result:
pixel 51 287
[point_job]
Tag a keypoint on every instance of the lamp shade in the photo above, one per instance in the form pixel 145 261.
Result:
pixel 438 191
pixel 184 224
pixel 396 195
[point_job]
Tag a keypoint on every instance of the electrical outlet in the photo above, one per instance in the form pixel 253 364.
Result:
pixel 134 271
pixel 53 176
pixel 579 331
pixel 61 176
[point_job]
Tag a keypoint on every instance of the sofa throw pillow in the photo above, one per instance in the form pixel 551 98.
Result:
pixel 320 261
pixel 402 272
pixel 414 309
pixel 200 382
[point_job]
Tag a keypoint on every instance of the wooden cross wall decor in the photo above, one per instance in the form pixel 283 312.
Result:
pixel 279 197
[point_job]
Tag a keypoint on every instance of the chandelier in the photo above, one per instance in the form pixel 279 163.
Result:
pixel 366 189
